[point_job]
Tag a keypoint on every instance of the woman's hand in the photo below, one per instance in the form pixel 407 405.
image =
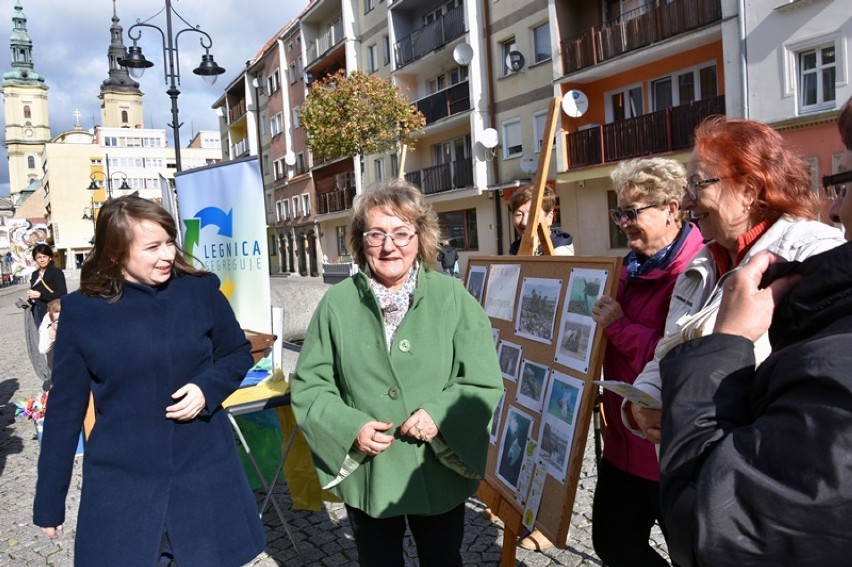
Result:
pixel 606 310
pixel 190 402
pixel 52 533
pixel 648 420
pixel 746 310
pixel 419 426
pixel 371 439
pixel 33 294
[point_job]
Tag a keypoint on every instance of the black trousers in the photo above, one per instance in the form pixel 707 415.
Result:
pixel 380 540
pixel 624 511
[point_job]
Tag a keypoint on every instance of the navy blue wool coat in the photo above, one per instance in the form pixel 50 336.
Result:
pixel 143 474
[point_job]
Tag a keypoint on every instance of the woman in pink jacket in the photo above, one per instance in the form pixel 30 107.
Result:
pixel 626 503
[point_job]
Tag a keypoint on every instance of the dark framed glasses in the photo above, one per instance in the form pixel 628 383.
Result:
pixel 618 214
pixel 694 183
pixel 835 185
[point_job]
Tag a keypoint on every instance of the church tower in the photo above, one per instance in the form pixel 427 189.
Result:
pixel 121 99
pixel 25 109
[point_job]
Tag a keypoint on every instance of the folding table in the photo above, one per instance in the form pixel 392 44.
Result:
pixel 266 395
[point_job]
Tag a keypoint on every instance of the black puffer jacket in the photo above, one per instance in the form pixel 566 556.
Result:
pixel 756 465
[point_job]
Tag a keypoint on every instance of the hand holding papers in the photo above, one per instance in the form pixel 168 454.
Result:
pixel 631 393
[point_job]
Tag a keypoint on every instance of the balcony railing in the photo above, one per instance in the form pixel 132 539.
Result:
pixel 657 132
pixel 430 37
pixel 636 29
pixel 240 148
pixel 445 103
pixel 335 194
pixel 236 110
pixel 443 177
pixel 326 41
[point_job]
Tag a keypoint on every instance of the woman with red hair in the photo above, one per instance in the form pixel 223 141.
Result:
pixel 747 191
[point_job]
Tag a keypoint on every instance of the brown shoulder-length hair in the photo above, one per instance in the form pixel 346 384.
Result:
pixel 759 160
pixel 101 274
pixel 404 200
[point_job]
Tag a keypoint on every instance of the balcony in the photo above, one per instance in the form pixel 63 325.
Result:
pixel 658 132
pixel 445 103
pixel 335 194
pixel 240 148
pixel 430 37
pixel 321 45
pixel 636 29
pixel 443 177
pixel 236 110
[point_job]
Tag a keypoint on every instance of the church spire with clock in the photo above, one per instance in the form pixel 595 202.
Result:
pixel 27 126
pixel 121 99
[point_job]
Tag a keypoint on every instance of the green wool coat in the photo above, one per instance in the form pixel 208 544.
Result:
pixel 442 360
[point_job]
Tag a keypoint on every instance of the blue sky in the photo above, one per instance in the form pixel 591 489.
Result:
pixel 70 42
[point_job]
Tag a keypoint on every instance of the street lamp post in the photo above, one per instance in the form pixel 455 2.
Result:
pixel 93 186
pixel 136 63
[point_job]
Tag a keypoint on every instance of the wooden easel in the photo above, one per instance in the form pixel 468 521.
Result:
pixel 535 229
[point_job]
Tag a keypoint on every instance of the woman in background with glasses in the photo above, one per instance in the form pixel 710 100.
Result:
pixel 627 495
pixel 396 385
pixel 747 191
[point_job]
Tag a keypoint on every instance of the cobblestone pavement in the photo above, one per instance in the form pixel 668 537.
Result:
pixel 323 538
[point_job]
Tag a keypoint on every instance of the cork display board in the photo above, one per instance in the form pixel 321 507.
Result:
pixel 550 351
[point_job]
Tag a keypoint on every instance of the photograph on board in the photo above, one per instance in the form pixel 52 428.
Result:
pixel 517 428
pixel 584 288
pixel 573 345
pixel 501 290
pixel 509 356
pixel 495 419
pixel 476 281
pixel 531 385
pixel 537 308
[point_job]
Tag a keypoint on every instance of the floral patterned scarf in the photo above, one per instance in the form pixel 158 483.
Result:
pixel 394 304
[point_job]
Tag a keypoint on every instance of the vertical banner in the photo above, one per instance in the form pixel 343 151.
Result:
pixel 224 226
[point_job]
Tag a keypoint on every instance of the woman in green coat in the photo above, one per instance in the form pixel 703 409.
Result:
pixel 396 385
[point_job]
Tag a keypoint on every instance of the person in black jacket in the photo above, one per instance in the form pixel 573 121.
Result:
pixel 755 464
pixel 563 243
pixel 46 283
pixel 447 257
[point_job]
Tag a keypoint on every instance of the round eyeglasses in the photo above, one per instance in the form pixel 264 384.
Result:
pixel 400 238
pixel 630 215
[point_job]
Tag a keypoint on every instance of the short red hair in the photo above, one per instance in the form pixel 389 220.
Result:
pixel 756 156
pixel 844 124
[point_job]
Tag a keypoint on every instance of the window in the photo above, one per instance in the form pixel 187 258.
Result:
pixel 292 72
pixel 539 125
pixel 683 87
pixel 264 125
pixel 460 227
pixel 379 169
pixel 623 104
pixel 394 159
pixel 541 43
pixel 31 162
pixel 27 112
pixel 124 116
pixel 436 84
pixel 283 210
pixel 276 124
pixel 306 204
pixel 372 61
pixel 817 74
pixel 297 121
pixel 300 69
pixel 278 169
pixel 297 206
pixel 617 238
pixel 505 48
pixel 512 146
pixel 300 163
pixel 369 5
pixel 273 81
pixel 386 50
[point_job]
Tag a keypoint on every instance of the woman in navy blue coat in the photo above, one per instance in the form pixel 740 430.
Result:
pixel 159 347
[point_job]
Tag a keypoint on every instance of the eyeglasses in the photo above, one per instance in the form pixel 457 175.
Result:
pixel 630 215
pixel 835 185
pixel 400 238
pixel 693 185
